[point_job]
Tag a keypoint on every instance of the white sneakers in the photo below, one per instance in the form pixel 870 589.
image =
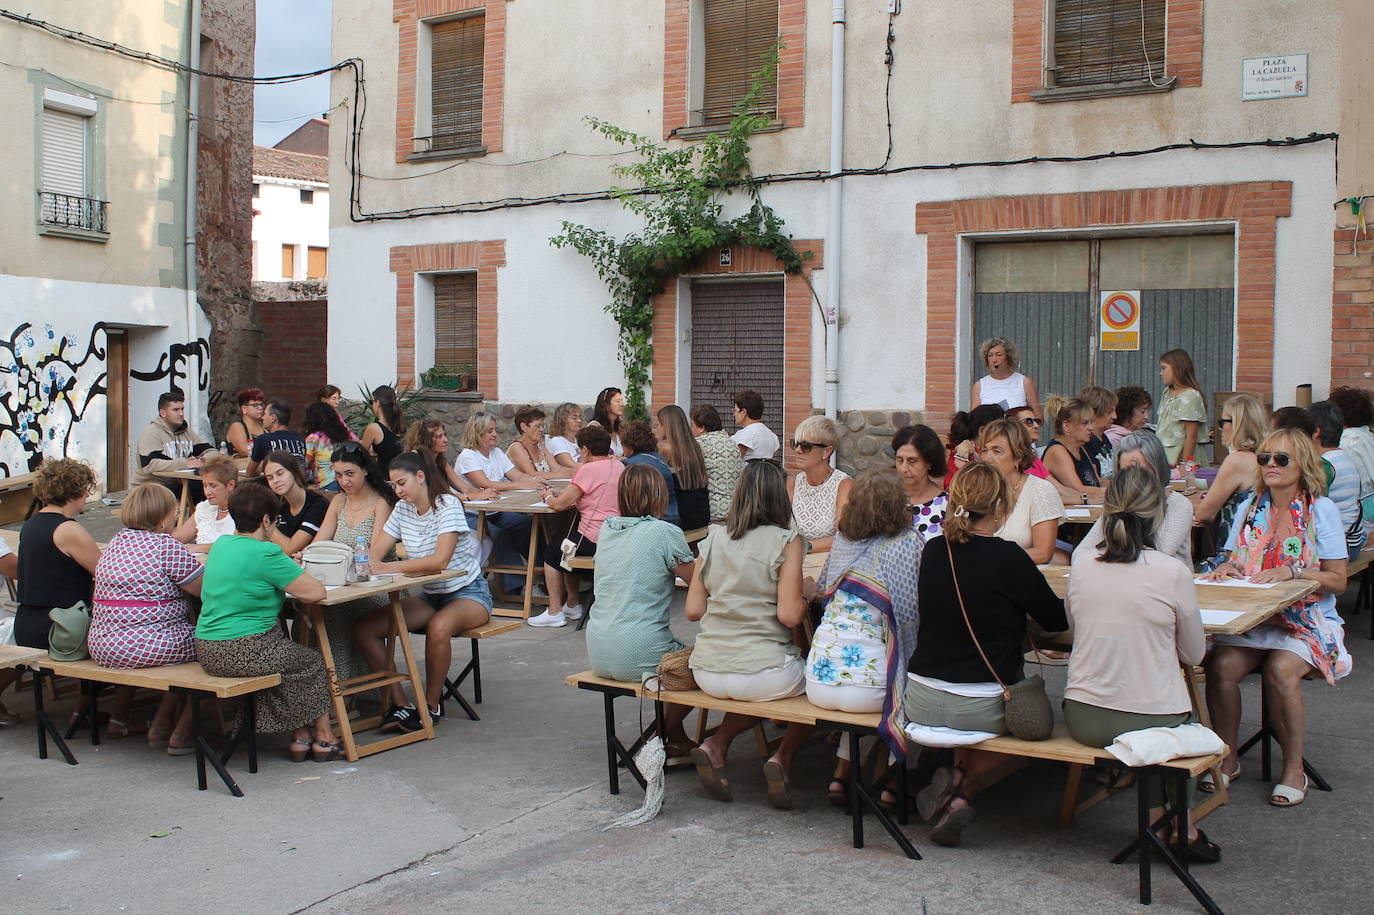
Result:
pixel 548 619
pixel 556 619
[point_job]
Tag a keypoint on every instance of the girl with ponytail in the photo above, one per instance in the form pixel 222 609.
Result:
pixel 429 520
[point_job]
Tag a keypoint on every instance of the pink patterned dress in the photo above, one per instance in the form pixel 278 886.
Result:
pixel 140 617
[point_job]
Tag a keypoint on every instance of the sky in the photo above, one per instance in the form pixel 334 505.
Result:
pixel 293 37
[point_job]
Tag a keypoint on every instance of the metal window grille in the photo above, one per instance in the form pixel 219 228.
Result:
pixel 72 212
pixel 1101 41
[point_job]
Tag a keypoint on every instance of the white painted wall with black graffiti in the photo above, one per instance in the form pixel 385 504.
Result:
pixel 55 339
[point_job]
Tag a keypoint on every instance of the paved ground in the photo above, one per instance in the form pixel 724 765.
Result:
pixel 506 813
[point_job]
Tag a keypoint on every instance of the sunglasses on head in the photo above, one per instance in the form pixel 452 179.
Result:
pixel 1278 457
pixel 805 447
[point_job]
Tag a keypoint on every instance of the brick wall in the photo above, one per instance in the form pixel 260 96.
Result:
pixel 292 361
pixel 1352 309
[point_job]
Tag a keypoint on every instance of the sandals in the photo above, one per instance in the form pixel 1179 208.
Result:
pixel 327 752
pixel 930 799
pixel 1203 850
pixel 157 737
pixel 839 797
pixel 118 730
pixel 712 781
pixel 935 799
pixel 298 749
pixel 180 745
pixel 1282 795
pixel 949 832
pixel 779 792
pixel 7 718
pixel 1207 784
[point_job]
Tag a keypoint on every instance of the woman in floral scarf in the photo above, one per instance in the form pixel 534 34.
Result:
pixel 1288 530
pixel 869 626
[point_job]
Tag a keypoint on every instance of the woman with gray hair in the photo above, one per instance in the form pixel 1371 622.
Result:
pixel 1174 535
pixel 1003 384
pixel 1135 616
pixel 817 490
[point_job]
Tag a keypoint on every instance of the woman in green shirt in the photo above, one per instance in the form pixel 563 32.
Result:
pixel 246 578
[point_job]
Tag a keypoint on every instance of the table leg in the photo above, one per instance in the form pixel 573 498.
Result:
pixel 315 614
pixel 398 622
pixel 531 563
pixel 1220 796
pixel 185 499
pixel 44 724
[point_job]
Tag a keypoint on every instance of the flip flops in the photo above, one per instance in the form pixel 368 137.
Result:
pixel 779 793
pixel 1207 785
pixel 712 781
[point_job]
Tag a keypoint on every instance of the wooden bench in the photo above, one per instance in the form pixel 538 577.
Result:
pixel 491 627
pixel 1059 748
pixel 190 679
pixel 796 710
pixel 16 497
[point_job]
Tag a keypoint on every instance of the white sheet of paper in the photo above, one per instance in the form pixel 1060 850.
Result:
pixel 334 587
pixel 481 501
pixel 1233 583
pixel 1219 617
pixel 1078 513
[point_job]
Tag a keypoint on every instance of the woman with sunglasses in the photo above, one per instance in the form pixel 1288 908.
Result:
pixel 360 509
pixel 1287 531
pixel 919 459
pixel 242 431
pixel 817 490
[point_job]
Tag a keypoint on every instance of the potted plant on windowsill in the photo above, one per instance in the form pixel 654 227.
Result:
pixel 449 378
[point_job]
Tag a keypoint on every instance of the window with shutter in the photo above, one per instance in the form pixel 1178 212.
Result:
pixel 288 262
pixel 738 33
pixel 456 83
pixel 455 321
pixel 316 263
pixel 1108 41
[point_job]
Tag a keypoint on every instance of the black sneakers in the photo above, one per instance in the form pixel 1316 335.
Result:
pixel 401 718
pixel 406 718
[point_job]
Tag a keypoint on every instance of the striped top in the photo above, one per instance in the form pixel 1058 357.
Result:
pixel 420 533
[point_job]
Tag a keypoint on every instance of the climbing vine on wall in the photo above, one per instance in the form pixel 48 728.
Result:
pixel 680 193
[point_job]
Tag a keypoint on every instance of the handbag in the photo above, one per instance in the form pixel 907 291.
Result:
pixel 673 671
pixel 1028 712
pixel 329 561
pixel 567 549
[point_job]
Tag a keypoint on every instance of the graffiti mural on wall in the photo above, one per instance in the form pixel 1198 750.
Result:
pixel 49 384
pixel 174 364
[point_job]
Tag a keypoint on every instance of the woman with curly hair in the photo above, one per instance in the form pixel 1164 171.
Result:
pixel 1003 385
pixel 57 556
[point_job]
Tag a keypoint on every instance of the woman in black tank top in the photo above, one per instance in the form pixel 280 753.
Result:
pixel 382 437
pixel 57 556
pixel 1068 458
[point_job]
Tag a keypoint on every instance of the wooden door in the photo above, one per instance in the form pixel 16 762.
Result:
pixel 116 410
pixel 737 342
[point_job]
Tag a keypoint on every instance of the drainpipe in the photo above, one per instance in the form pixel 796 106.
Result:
pixel 192 150
pixel 833 244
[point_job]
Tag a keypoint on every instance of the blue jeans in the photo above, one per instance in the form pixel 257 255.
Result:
pixel 510 538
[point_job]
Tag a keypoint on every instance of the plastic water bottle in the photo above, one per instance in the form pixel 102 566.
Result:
pixel 362 563
pixel 224 448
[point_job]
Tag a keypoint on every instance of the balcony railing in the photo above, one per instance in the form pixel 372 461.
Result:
pixel 72 212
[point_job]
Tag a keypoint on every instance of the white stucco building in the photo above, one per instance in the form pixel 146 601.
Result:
pixel 1076 175
pixel 290 215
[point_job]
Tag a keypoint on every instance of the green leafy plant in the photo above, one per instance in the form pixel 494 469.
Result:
pixel 449 378
pixel 680 193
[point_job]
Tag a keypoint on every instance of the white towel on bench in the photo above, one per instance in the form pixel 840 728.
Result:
pixel 1151 746
pixel 928 736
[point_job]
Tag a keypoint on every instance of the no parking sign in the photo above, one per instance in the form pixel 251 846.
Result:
pixel 1119 320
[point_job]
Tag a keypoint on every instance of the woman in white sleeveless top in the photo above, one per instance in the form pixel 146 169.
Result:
pixel 818 491
pixel 1003 384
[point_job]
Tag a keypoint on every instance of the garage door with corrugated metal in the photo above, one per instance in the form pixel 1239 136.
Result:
pixel 737 338
pixel 1043 296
